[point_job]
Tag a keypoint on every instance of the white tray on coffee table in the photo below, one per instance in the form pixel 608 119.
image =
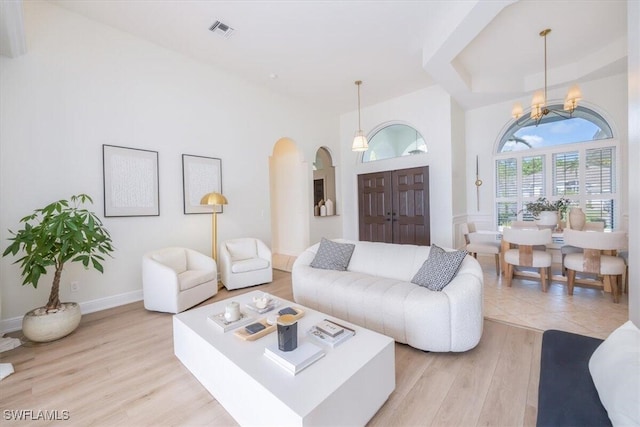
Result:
pixel 346 387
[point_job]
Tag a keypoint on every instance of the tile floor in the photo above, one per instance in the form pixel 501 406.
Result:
pixel 588 312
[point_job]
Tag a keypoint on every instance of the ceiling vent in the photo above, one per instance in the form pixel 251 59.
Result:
pixel 221 29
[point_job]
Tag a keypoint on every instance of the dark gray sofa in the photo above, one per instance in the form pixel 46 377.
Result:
pixel 566 393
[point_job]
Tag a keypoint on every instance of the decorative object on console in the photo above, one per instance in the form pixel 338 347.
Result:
pixel 333 255
pixel 577 219
pixel 360 140
pixel 130 178
pixel 330 207
pixel 216 200
pixel 58 234
pixel 439 269
pixel 539 108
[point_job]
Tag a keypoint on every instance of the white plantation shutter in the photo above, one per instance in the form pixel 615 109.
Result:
pixel 506 190
pixel 506 178
pixel 533 176
pixel 566 173
pixel 599 172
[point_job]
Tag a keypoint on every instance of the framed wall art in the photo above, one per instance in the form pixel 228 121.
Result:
pixel 200 175
pixel 130 178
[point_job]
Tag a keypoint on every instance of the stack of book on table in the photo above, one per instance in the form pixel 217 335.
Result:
pixel 296 360
pixel 331 333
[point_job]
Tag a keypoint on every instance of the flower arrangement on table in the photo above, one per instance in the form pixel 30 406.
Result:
pixel 543 205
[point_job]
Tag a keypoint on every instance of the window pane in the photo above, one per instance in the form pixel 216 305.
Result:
pixel 598 210
pixel 599 173
pixel 507 212
pixel 506 178
pixel 584 125
pixel 395 140
pixel 533 176
pixel 565 174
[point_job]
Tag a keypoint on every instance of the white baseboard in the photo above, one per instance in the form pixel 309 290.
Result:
pixel 15 323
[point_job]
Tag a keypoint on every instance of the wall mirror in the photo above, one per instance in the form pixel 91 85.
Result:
pixel 324 184
pixel 394 140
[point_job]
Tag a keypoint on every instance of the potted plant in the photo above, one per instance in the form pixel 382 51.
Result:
pixel 57 234
pixel 547 213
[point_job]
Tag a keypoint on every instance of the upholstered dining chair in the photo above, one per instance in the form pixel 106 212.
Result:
pixel 478 243
pixel 569 249
pixel 175 279
pixel 625 278
pixel 525 255
pixel 593 260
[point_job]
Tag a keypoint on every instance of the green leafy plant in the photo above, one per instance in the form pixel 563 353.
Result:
pixel 60 232
pixel 544 205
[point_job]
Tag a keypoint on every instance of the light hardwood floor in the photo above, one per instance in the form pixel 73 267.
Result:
pixel 118 368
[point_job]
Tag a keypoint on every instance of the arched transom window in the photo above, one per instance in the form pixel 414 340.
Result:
pixel 574 158
pixel 394 140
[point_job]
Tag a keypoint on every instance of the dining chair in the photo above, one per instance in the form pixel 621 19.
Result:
pixel 625 278
pixel 593 260
pixel 478 243
pixel 525 255
pixel 569 249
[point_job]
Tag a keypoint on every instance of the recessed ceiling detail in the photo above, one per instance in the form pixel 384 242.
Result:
pixel 221 29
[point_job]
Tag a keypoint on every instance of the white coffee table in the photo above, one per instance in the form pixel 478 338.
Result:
pixel 346 387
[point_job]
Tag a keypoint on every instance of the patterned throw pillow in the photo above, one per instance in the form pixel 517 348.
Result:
pixel 439 269
pixel 333 255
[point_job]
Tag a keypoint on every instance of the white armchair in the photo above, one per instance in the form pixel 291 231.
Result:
pixel 244 262
pixel 175 279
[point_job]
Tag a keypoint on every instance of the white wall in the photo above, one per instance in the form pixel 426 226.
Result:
pixel 83 84
pixel 428 111
pixel 633 8
pixel 289 196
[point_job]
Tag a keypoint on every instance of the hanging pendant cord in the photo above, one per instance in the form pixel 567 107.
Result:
pixel 358 83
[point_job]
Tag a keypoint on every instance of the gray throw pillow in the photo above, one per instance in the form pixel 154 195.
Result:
pixel 439 269
pixel 333 255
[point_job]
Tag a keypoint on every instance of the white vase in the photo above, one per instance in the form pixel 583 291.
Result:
pixel 330 207
pixel 577 218
pixel 547 219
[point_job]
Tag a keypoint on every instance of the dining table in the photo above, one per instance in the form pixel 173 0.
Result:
pixel 556 244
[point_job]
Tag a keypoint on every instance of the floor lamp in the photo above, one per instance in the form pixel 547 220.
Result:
pixel 214 199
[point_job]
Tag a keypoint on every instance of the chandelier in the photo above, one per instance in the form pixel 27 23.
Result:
pixel 539 108
pixel 359 140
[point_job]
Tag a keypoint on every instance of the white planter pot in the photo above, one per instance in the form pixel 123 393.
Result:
pixel 548 219
pixel 40 326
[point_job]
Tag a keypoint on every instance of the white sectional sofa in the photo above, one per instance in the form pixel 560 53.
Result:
pixel 376 292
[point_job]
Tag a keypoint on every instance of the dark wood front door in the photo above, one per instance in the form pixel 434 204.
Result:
pixel 394 206
pixel 375 207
